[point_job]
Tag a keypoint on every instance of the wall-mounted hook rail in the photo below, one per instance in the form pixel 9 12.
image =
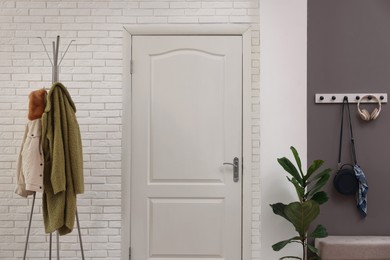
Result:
pixel 352 98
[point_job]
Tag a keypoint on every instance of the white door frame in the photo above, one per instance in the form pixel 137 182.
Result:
pixel 196 29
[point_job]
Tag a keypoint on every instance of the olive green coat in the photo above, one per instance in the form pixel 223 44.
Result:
pixel 63 167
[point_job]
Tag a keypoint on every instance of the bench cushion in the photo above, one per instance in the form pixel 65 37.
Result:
pixel 354 247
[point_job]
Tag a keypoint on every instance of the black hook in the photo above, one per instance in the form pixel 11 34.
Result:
pixel 321 97
pixel 333 97
pixel 357 97
pixel 369 97
pixel 345 98
pixel 381 97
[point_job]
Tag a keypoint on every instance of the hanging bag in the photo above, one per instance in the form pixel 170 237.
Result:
pixel 345 180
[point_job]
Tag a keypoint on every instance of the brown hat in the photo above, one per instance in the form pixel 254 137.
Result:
pixel 36 104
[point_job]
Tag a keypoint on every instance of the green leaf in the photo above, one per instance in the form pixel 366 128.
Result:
pixel 298 188
pixel 290 168
pixel 322 173
pixel 313 167
pixel 319 184
pixel 320 197
pixel 315 258
pixel 302 214
pixel 278 209
pixel 298 160
pixel 281 244
pixel 312 248
pixel 319 232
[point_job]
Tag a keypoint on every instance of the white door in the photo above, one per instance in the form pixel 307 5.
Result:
pixel 186 122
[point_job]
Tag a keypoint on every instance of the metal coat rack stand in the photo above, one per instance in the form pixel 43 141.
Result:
pixel 55 76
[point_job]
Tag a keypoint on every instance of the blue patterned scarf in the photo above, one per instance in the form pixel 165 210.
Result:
pixel 363 189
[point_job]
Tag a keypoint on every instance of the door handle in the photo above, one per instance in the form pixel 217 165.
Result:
pixel 235 165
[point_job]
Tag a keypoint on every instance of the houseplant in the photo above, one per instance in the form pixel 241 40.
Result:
pixel 301 213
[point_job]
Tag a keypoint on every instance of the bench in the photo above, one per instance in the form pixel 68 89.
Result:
pixel 354 247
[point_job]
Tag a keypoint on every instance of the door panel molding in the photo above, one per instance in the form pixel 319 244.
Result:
pixel 245 32
pixel 187 29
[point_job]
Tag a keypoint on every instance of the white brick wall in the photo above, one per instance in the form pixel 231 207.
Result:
pixel 92 71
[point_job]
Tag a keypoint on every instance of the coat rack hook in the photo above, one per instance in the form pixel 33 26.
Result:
pixel 44 46
pixel 65 52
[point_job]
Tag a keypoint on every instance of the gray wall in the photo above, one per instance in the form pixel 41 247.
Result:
pixel 349 52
